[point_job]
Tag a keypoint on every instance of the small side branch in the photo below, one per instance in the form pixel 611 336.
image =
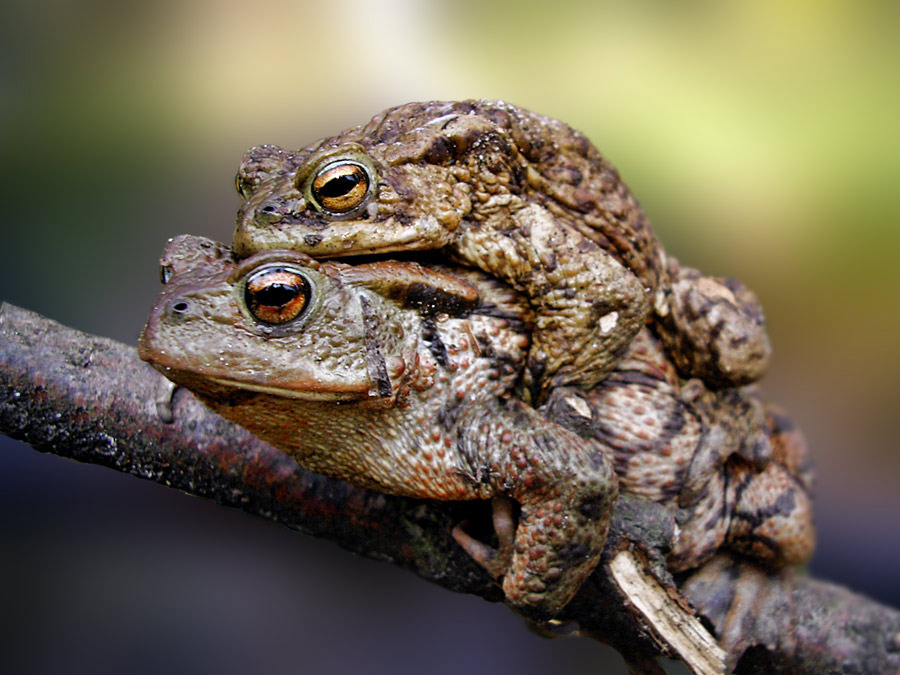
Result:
pixel 92 400
pixel 695 646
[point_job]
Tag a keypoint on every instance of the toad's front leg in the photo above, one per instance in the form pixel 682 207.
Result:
pixel 566 488
pixel 587 305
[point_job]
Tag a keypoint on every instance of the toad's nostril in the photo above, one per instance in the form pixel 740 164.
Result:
pixel 180 307
pixel 268 212
pixel 275 209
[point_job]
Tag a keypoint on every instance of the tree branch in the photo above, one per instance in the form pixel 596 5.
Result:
pixel 92 400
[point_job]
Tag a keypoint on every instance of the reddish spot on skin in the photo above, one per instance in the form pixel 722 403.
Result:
pixel 506 436
pixel 537 552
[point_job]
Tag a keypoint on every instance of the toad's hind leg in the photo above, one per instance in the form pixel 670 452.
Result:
pixel 773 511
pixel 772 518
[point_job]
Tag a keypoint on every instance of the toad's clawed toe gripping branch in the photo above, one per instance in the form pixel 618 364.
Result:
pixel 495 560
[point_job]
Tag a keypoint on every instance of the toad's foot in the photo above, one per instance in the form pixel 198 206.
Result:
pixel 163 398
pixel 745 604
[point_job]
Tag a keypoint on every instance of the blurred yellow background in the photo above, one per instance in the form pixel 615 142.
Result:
pixel 761 137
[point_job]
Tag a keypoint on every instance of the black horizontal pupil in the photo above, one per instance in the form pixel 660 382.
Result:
pixel 340 185
pixel 277 294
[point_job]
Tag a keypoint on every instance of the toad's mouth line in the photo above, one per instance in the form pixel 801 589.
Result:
pixel 427 258
pixel 281 392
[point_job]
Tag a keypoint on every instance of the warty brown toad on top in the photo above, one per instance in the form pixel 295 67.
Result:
pixel 525 198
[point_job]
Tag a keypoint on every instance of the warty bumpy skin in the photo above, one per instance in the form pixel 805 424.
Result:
pixel 734 470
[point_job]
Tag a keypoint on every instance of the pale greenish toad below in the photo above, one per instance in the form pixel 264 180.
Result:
pixel 393 377
pixel 396 377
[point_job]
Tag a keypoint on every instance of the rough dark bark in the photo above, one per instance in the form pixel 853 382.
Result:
pixel 92 400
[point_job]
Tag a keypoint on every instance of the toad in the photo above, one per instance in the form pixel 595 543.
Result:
pixel 394 377
pixel 526 199
pixel 398 377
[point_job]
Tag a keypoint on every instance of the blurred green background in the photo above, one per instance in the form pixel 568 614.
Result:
pixel 761 138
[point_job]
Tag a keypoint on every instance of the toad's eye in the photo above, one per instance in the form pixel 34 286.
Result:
pixel 341 186
pixel 276 295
